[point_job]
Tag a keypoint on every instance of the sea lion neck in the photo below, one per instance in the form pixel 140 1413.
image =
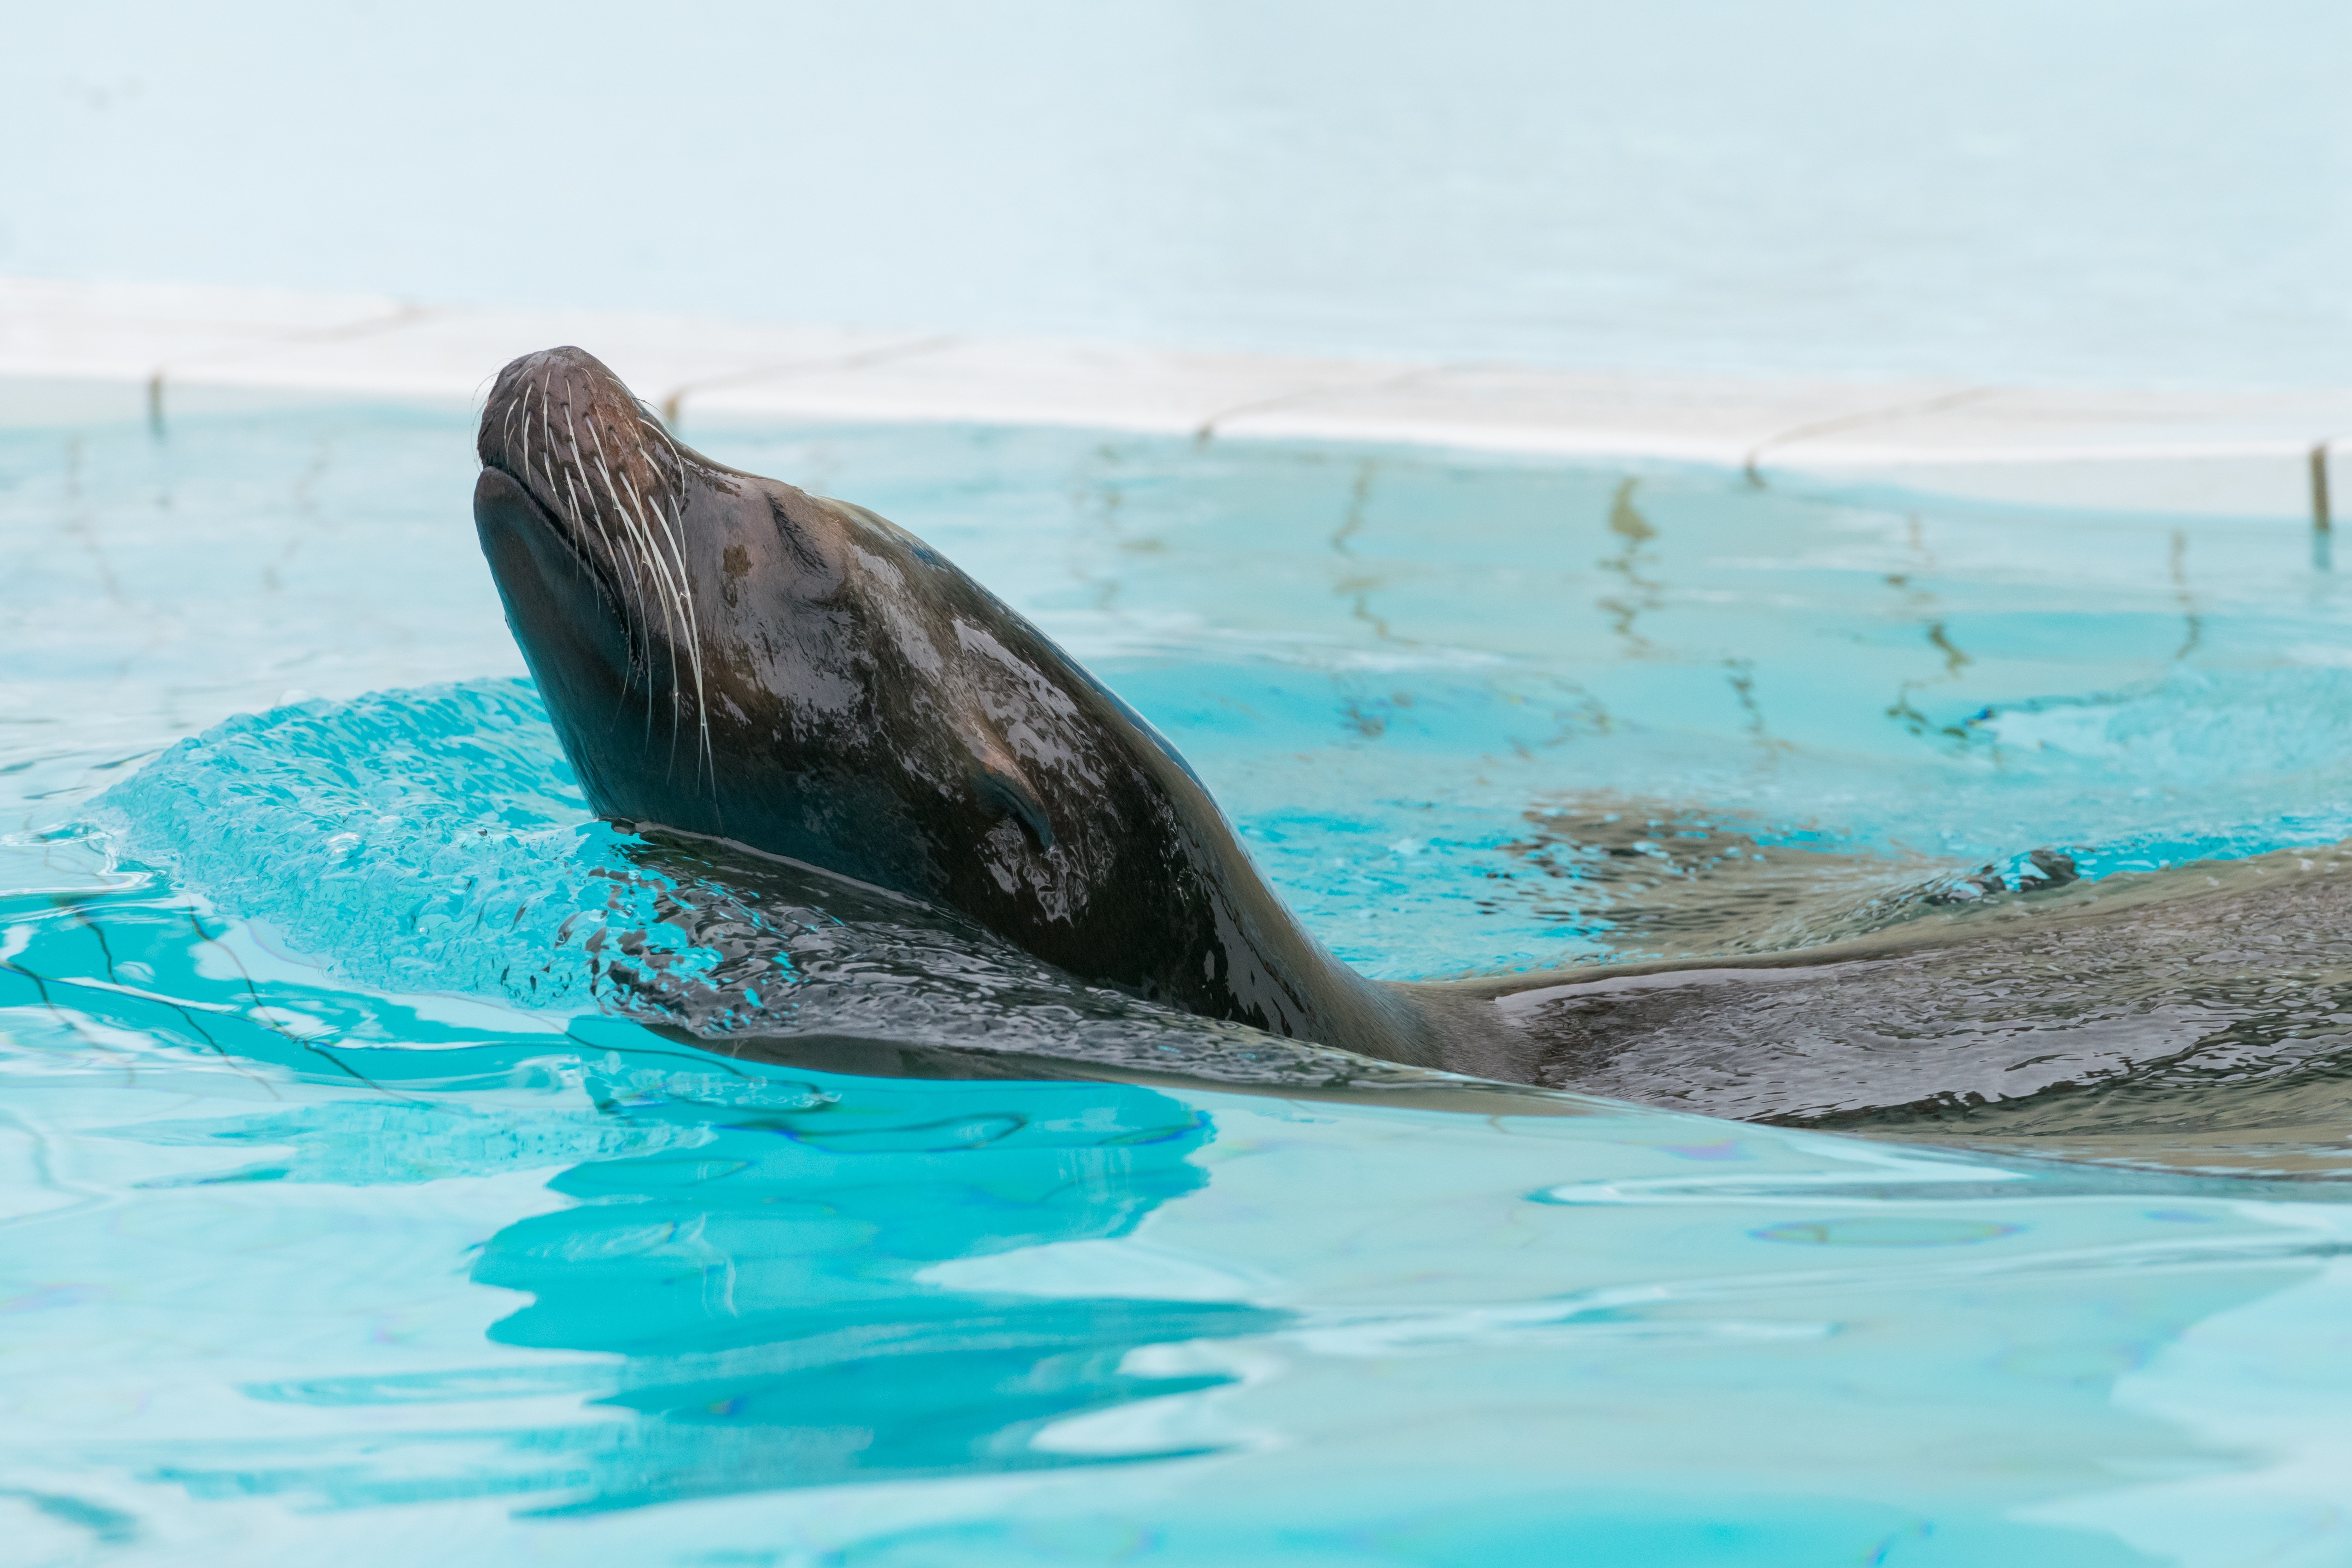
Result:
pixel 730 656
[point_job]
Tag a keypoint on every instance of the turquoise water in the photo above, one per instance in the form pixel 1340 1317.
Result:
pixel 361 1201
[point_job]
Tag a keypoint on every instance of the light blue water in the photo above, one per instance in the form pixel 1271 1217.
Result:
pixel 351 1212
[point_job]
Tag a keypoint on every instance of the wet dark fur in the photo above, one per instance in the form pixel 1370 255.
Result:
pixel 729 655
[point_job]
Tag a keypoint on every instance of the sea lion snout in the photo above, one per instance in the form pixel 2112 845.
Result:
pixel 604 478
pixel 562 423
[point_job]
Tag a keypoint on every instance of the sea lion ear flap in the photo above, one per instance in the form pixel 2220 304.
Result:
pixel 1009 790
pixel 1003 785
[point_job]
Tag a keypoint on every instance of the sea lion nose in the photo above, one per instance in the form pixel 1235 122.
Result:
pixel 566 379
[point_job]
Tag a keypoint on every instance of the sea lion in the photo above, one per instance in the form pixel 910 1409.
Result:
pixel 728 656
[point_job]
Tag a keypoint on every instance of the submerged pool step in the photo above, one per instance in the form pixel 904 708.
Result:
pixel 149 347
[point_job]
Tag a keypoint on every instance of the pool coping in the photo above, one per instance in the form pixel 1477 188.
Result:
pixel 2169 452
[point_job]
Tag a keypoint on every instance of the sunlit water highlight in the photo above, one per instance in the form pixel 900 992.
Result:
pixel 354 1209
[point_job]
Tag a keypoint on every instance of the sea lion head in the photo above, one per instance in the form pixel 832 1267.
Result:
pixel 730 656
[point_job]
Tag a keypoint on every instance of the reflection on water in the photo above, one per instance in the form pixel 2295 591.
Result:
pixel 751 1274
pixel 1028 1317
pixel 1640 593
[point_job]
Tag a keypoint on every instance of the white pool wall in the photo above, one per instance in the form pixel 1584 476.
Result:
pixel 146 349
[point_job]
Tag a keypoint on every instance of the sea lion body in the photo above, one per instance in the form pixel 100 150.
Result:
pixel 729 655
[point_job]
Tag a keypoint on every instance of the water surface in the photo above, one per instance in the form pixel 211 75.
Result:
pixel 362 1201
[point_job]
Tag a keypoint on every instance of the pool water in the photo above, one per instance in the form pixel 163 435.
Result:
pixel 364 1199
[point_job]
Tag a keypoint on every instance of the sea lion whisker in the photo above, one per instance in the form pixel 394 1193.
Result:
pixel 581 517
pixel 673 530
pixel 665 444
pixel 676 521
pixel 673 584
pixel 642 629
pixel 611 595
pixel 526 426
pixel 653 569
pixel 671 534
pixel 571 499
pixel 547 461
pixel 677 590
pixel 639 556
pixel 668 444
pixel 522 403
pixel 674 524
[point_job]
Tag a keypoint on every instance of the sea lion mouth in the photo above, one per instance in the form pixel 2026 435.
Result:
pixel 611 485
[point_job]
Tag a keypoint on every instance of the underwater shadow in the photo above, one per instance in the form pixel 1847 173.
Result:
pixel 758 1275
